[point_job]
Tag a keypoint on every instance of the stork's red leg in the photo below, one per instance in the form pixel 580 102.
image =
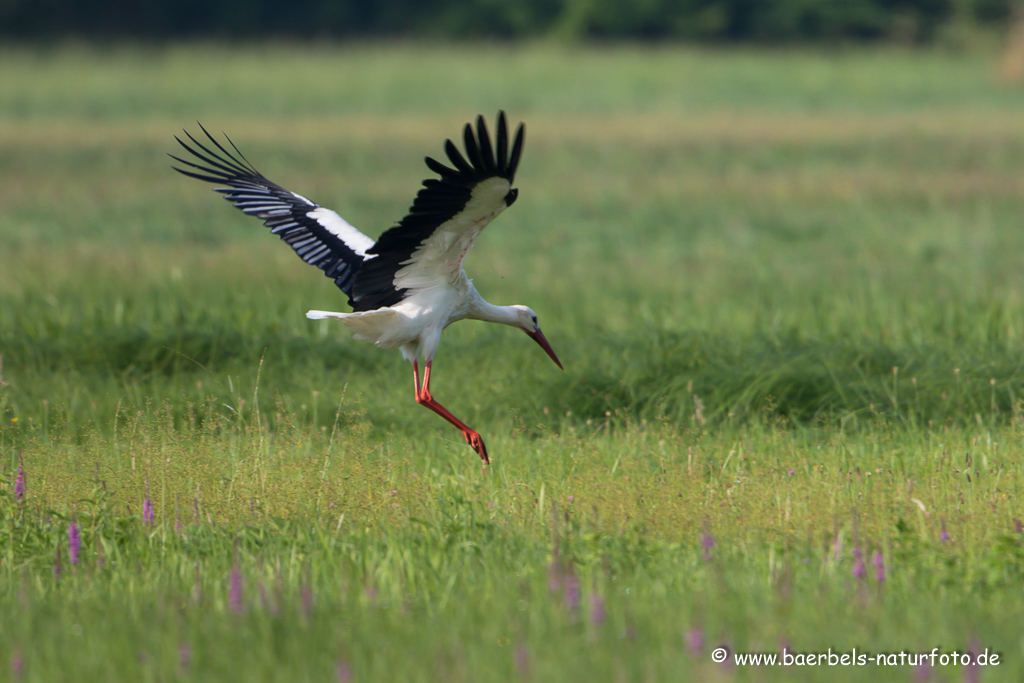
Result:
pixel 424 398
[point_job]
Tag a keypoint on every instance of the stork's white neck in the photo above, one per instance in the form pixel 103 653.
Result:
pixel 482 310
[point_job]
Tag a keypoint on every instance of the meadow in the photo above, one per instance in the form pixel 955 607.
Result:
pixel 786 287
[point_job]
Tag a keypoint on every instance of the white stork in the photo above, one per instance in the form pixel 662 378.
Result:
pixel 409 285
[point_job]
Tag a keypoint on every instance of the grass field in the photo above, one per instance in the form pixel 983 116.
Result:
pixel 787 288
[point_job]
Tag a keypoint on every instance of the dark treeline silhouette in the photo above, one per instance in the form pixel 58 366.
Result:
pixel 908 21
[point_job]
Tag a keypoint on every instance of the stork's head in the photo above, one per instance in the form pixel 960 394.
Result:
pixel 527 322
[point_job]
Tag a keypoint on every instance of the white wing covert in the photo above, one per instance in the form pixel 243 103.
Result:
pixel 318 235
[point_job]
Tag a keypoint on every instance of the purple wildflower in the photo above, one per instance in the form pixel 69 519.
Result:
pixel 19 484
pixel 1018 526
pixel 17 665
pixel 879 562
pixel 572 593
pixel 728 662
pixel 923 673
pixel 944 536
pixel 307 598
pixel 184 656
pixel 554 575
pixel 522 656
pixel 694 641
pixel 707 542
pixel 147 509
pixel 342 671
pixel 972 672
pixel 858 565
pixel 74 542
pixel 597 611
pixel 235 594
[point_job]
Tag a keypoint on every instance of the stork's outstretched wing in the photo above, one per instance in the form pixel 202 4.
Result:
pixel 429 245
pixel 319 236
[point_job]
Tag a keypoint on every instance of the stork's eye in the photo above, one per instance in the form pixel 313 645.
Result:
pixel 534 321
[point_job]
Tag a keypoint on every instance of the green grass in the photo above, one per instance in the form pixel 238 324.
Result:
pixel 786 288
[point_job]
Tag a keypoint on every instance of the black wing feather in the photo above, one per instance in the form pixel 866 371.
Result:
pixel 473 150
pixel 440 169
pixel 455 156
pixel 517 150
pixel 502 139
pixel 284 212
pixel 486 152
pixel 437 202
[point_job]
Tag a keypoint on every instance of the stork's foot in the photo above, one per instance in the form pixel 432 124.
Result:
pixel 476 441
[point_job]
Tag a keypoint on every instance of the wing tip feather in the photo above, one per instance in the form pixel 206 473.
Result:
pixel 482 158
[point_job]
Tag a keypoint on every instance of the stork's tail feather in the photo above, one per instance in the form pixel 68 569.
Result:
pixel 372 326
pixel 321 315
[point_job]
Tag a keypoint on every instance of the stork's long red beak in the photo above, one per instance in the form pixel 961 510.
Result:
pixel 539 337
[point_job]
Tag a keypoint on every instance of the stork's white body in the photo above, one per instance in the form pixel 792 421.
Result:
pixel 415 325
pixel 440 292
pixel 407 287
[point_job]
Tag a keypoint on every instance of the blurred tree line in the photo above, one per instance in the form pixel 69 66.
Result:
pixel 768 21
